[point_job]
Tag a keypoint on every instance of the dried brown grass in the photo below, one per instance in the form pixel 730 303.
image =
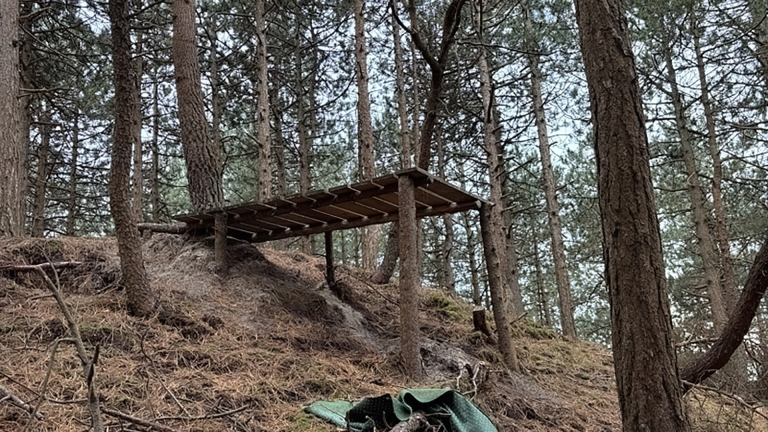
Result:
pixel 268 338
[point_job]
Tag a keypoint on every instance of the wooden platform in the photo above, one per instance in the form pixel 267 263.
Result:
pixel 350 206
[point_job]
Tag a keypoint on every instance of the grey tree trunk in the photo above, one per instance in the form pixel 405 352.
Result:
pixel 155 167
pixel 409 281
pixel 648 383
pixel 553 207
pixel 371 234
pixel 262 135
pixel 72 199
pixel 698 202
pixel 41 179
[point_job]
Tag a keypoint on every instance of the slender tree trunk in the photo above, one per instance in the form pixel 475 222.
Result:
pixel 698 202
pixel 138 160
pixel 406 153
pixel 41 180
pixel 371 234
pixel 491 246
pixel 277 115
pixel 513 297
pixel 155 168
pixel 27 79
pixel 12 145
pixel 726 259
pixel 553 207
pixel 201 154
pixel 545 317
pixel 139 296
pixel 447 277
pixel 262 136
pixel 72 199
pixel 649 387
pixel 477 293
pixel 304 139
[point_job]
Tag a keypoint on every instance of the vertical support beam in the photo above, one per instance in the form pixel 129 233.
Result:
pixel 491 249
pixel 409 279
pixel 330 276
pixel 220 245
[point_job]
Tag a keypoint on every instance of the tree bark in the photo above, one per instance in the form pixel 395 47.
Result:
pixel 553 207
pixel 155 168
pixel 262 134
pixel 446 276
pixel 202 156
pixel 649 387
pixel 477 293
pixel 12 146
pixel 406 152
pixel 138 160
pixel 493 250
pixel 305 143
pixel 139 296
pixel 277 115
pixel 409 281
pixel 387 267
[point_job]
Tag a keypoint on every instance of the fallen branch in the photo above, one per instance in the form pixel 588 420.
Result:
pixel 20 268
pixel 7 395
pixel 174 228
pixel 87 363
pixel 137 421
pixel 207 416
pixel 44 387
pixel 737 398
pixel 413 424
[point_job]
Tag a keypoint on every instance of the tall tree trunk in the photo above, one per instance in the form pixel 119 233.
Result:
pixel 698 202
pixel 726 259
pixel 513 296
pixel 155 168
pixel 495 275
pixel 437 66
pixel 409 281
pixel 139 296
pixel 550 194
pixel 262 135
pixel 138 160
pixel 406 152
pixel 477 293
pixel 544 316
pixel 72 199
pixel 201 154
pixel 304 140
pixel 12 146
pixel 649 388
pixel 41 180
pixel 448 280
pixel 213 37
pixel 277 115
pixel 371 234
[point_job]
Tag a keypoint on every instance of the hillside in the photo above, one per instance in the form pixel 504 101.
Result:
pixel 245 353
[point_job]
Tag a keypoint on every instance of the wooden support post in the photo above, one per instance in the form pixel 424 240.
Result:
pixel 220 243
pixel 330 276
pixel 491 247
pixel 409 279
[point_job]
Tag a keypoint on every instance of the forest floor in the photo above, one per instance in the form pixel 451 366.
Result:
pixel 247 352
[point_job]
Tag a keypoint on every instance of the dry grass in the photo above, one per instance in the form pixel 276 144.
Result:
pixel 271 338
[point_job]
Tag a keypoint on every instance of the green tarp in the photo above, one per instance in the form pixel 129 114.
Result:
pixel 454 410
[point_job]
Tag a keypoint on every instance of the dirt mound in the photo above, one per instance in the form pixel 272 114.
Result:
pixel 244 353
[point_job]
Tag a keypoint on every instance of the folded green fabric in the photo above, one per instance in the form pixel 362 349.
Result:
pixel 451 408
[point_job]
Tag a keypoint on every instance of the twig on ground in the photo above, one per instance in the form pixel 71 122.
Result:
pixel 137 421
pixel 735 397
pixel 157 375
pixel 207 416
pixel 88 365
pixel 44 387
pixel 12 398
pixel 20 268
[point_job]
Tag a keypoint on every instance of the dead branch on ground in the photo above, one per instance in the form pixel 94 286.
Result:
pixel 7 395
pixel 137 421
